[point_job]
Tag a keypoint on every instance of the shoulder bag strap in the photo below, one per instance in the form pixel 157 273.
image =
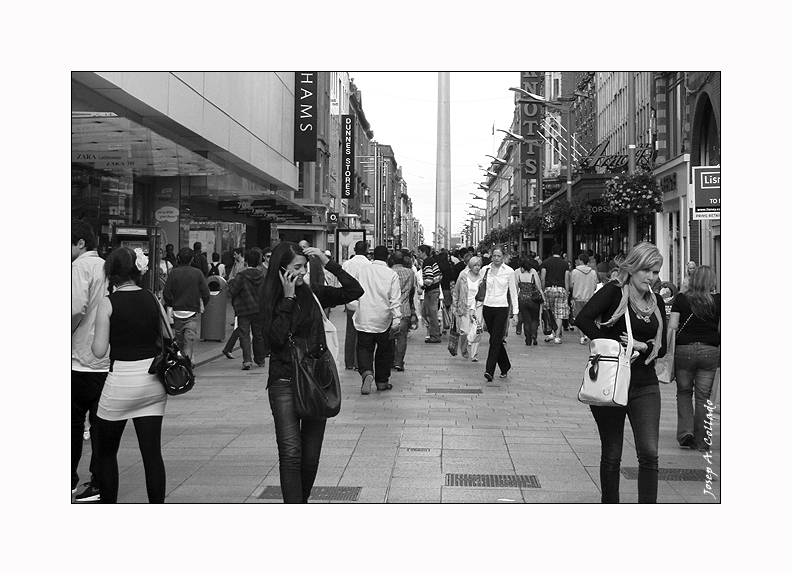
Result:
pixel 163 316
pixel 686 322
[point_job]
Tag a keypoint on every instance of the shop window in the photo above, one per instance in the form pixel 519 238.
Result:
pixel 674 113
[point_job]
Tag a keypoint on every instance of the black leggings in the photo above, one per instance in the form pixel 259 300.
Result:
pixel 149 432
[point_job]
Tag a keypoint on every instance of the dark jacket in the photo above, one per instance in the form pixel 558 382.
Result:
pixel 303 319
pixel 601 307
pixel 199 262
pixel 246 290
pixel 185 288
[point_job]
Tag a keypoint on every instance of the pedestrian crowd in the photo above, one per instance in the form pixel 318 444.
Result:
pixel 285 294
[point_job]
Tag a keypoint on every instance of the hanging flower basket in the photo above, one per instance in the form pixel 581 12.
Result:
pixel 633 194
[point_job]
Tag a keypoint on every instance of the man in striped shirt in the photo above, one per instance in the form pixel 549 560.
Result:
pixel 431 284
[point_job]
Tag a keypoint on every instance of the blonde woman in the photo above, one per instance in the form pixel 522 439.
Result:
pixel 631 292
pixel 466 308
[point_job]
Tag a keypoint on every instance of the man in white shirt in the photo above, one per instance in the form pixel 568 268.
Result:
pixel 377 319
pixel 88 372
pixel 352 266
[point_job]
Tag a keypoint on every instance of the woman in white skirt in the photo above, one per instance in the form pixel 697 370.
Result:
pixel 467 309
pixel 128 321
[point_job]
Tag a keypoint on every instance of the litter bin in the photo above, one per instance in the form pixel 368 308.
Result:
pixel 213 320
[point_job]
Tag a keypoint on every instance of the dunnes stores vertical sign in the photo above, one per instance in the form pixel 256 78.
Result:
pixel 530 119
pixel 348 156
pixel 305 115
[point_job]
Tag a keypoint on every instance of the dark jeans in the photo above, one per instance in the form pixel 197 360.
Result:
pixel 149 435
pixel 496 319
pixel 86 389
pixel 400 343
pixel 695 365
pixel 299 443
pixel 529 317
pixel 379 362
pixel 350 342
pixel 430 309
pixel 232 339
pixel 248 323
pixel 643 409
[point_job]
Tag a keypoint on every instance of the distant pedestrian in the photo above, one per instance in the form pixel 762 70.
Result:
pixel 239 263
pixel 446 283
pixel 469 311
pixel 88 372
pixel 689 268
pixel 632 294
pixel 170 256
pixel 185 291
pixel 129 323
pixel 246 290
pixel 697 356
pixel 199 259
pixel 377 318
pixel 500 284
pixel 352 267
pixel 528 283
pixel 407 290
pixel 583 284
pixel 431 279
pixel 289 309
pixel 217 268
pixel 555 279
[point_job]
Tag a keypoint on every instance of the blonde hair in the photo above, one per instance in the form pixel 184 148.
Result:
pixel 643 256
pixel 473 261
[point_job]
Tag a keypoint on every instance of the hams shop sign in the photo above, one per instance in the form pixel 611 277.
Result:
pixel 305 116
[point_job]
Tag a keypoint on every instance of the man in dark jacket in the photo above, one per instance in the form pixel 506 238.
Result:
pixel 246 290
pixel 199 259
pixel 184 291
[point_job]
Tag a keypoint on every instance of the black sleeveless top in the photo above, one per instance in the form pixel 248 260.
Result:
pixel 134 325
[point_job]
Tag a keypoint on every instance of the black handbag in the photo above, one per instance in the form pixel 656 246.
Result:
pixel 548 321
pixel 536 295
pixel 171 366
pixel 481 294
pixel 453 337
pixel 316 386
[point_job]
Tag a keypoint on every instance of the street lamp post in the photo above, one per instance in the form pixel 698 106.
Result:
pixel 632 219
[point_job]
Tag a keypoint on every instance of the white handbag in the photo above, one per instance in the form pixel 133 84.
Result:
pixel 331 334
pixel 606 380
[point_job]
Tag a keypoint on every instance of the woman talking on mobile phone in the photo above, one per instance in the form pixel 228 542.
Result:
pixel 289 309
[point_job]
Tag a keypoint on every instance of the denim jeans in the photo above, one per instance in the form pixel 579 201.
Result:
pixel 379 362
pixel 248 323
pixel 299 443
pixel 431 300
pixel 86 389
pixel 643 409
pixel 350 342
pixel 186 331
pixel 400 343
pixel 232 339
pixel 695 365
pixel 497 319
pixel 529 316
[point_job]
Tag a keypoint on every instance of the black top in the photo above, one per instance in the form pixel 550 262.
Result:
pixel 135 325
pixel 556 271
pixel 303 319
pixel 601 307
pixel 702 330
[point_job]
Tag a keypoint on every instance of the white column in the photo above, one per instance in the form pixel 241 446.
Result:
pixel 443 178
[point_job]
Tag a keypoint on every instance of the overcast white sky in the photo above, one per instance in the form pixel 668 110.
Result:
pixel 402 110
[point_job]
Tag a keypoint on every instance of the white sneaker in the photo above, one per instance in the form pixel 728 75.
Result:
pixel 557 340
pixel 549 338
pixel 583 340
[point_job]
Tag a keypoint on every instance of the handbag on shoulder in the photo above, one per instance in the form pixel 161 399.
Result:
pixel 316 387
pixel 481 294
pixel 171 366
pixel 606 379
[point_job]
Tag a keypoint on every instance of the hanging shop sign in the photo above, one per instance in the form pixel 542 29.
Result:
pixel 706 193
pixel 617 163
pixel 530 119
pixel 305 116
pixel 348 156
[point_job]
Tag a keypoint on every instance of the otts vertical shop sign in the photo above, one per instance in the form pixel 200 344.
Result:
pixel 305 115
pixel 348 156
pixel 530 118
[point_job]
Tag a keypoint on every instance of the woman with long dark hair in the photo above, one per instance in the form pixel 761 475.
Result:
pixel 528 281
pixel 697 355
pixel 129 322
pixel 500 287
pixel 290 309
pixel 631 292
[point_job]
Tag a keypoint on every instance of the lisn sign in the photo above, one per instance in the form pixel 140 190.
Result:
pixel 706 198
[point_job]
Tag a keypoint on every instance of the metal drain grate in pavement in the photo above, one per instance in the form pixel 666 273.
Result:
pixel 472 390
pixel 318 493
pixel 417 449
pixel 481 480
pixel 671 474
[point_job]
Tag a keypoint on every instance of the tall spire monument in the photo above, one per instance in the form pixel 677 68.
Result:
pixel 443 178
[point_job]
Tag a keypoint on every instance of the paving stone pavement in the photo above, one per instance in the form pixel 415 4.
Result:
pixel 399 446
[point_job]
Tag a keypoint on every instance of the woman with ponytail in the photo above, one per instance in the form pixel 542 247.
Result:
pixel 603 317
